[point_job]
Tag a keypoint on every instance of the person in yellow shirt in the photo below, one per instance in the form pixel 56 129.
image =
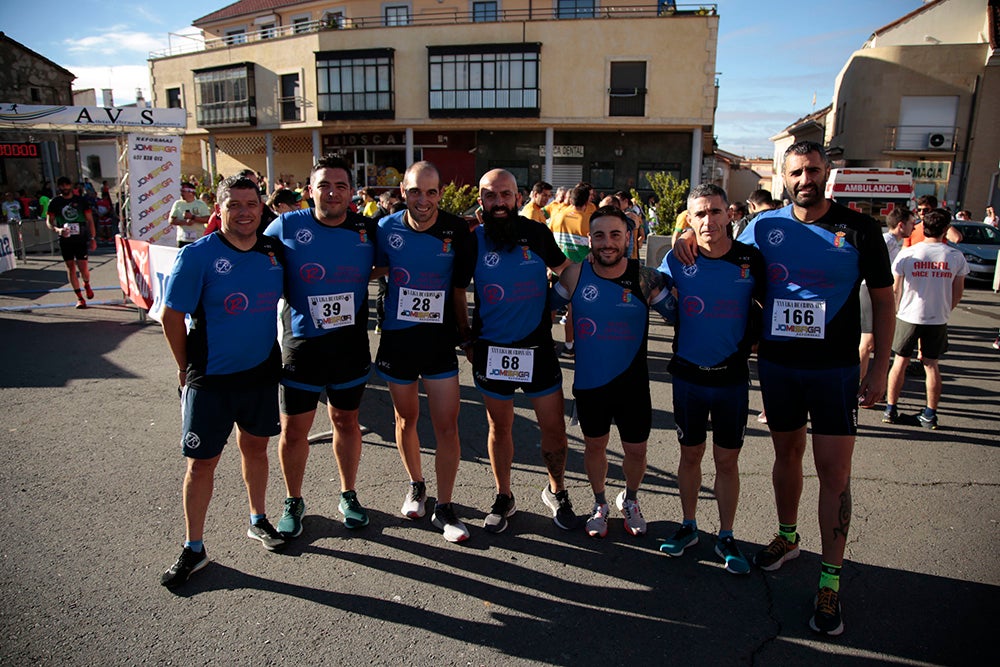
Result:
pixel 541 193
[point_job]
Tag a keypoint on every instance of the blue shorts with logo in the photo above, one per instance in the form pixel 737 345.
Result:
pixel 793 396
pixel 727 406
pixel 208 416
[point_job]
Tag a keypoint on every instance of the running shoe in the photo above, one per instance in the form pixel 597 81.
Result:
pixel 290 523
pixel 503 508
pixel 444 519
pixel 355 516
pixel 727 550
pixel 569 351
pixel 684 537
pixel 188 563
pixel 265 533
pixel 928 422
pixel 826 619
pixel 762 418
pixel 996 344
pixel 634 523
pixel 562 509
pixel 776 553
pixel 80 304
pixel 597 524
pixel 890 416
pixel 89 290
pixel 415 501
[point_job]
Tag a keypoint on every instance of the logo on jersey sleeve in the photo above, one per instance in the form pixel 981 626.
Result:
pixel 223 266
pixel 590 293
pixel 236 303
pixel 396 241
pixel 312 272
pixel 776 237
pixel 304 236
pixel 491 259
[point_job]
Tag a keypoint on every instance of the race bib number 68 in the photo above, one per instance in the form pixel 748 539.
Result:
pixel 510 364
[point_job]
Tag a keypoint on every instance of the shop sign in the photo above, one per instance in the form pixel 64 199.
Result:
pixel 562 151
pixel 925 170
pixel 392 139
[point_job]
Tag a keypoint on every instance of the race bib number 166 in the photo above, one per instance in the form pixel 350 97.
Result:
pixel 798 319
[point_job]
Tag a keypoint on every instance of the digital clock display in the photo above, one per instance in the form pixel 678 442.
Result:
pixel 8 149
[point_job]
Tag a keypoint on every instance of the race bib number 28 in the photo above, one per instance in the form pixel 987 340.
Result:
pixel 798 319
pixel 510 364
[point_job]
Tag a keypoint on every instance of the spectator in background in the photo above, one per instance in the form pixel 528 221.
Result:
pixel 991 218
pixel 283 201
pixel 964 215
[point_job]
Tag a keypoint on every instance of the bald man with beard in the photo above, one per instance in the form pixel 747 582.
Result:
pixel 510 342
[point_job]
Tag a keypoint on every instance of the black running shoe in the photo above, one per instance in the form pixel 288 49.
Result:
pixel 826 619
pixel 562 509
pixel 503 508
pixel 188 563
pixel 267 535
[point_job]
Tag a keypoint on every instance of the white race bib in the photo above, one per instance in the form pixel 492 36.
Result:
pixel 332 311
pixel 72 227
pixel 798 319
pixel 420 305
pixel 511 364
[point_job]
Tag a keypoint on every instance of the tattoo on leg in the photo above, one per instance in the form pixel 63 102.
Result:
pixel 555 463
pixel 844 514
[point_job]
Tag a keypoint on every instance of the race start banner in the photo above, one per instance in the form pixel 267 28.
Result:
pixel 154 181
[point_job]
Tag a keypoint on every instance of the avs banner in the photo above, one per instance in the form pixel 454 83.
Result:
pixel 90 117
pixel 154 181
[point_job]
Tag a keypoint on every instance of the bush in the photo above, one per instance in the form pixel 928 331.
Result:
pixel 672 195
pixel 457 199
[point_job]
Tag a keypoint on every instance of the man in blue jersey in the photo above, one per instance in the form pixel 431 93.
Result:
pixel 329 252
pixel 510 345
pixel 817 253
pixel 228 362
pixel 427 255
pixel 718 321
pixel 611 295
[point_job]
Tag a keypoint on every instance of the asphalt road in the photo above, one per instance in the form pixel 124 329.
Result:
pixel 91 498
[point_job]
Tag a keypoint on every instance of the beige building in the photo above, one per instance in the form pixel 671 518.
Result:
pixel 562 90
pixel 923 93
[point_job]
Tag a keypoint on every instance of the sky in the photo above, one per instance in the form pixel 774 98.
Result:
pixel 773 55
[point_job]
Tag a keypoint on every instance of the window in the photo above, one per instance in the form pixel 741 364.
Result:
pixel 355 84
pixel 575 9
pixel 289 99
pixel 94 166
pixel 483 12
pixel 36 93
pixel 496 80
pixel 300 24
pixel 645 168
pixel 226 96
pixel 628 89
pixel 333 19
pixel 602 175
pixel 267 30
pixel 174 98
pixel 397 15
pixel 236 36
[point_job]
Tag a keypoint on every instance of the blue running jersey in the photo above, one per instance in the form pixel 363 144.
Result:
pixel 512 283
pixel 717 319
pixel 232 297
pixel 610 323
pixel 812 312
pixel 424 268
pixel 326 275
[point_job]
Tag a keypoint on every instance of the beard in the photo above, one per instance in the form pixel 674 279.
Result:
pixel 601 260
pixel 501 231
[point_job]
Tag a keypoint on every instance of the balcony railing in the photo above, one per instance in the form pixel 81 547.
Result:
pixel 433 17
pixel 920 138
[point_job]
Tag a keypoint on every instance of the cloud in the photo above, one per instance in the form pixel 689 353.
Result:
pixel 120 43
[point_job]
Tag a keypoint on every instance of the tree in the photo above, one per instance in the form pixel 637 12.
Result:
pixel 457 199
pixel 671 194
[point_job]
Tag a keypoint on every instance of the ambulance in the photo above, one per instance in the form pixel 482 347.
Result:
pixel 874 191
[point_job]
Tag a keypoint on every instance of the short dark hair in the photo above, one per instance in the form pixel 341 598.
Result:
pixel 236 182
pixel 63 180
pixel 706 190
pixel 936 222
pixel 740 207
pixel 805 148
pixel 540 187
pixel 580 195
pixel 760 197
pixel 927 200
pixel 333 162
pixel 610 212
pixel 247 172
pixel 898 215
pixel 283 196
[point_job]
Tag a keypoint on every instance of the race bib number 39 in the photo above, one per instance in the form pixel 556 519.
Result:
pixel 332 311
pixel 510 364
pixel 798 319
pixel 425 306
